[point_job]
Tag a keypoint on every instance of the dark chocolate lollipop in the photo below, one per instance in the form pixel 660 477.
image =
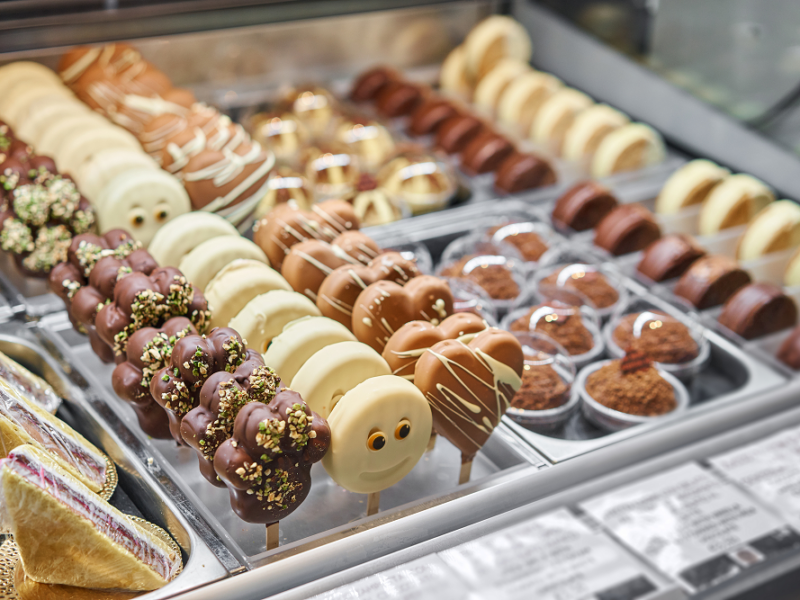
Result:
pixel 222 396
pixel 147 301
pixel 627 228
pixel 148 350
pixel 583 206
pixel 669 257
pixel 267 463
pixel 177 385
pixel 758 309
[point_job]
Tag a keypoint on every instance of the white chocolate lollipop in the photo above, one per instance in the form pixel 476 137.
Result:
pixel 333 371
pixel 26 70
pixel 491 88
pixel 775 228
pixel 82 145
pixel 203 263
pixel 265 316
pixel 16 105
pixel 557 114
pixel 493 39
pixel 44 113
pixel 299 341
pixel 689 185
pixel 453 76
pixel 522 99
pixel 238 283
pixel 141 201
pixel 379 431
pixel 95 173
pixel 589 128
pixel 183 234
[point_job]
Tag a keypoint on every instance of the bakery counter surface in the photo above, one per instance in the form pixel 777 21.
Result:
pixel 330 513
pixel 141 490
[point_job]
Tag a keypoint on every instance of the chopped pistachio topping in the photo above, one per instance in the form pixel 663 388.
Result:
pixel 49 249
pixel 16 237
pixel 234 354
pixel 64 198
pixel 231 399
pixel 264 384
pixel 32 204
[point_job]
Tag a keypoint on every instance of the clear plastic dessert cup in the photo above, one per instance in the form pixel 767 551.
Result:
pixel 469 297
pixel 613 420
pixel 562 290
pixel 542 352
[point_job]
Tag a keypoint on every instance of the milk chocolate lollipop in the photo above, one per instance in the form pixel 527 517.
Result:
pixel 222 396
pixel 469 387
pixel 193 359
pixel 266 464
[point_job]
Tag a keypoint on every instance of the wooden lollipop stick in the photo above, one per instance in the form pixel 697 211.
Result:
pixel 432 442
pixel 373 503
pixel 465 472
pixel 273 536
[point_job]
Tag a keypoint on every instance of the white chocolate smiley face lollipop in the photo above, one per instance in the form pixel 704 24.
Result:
pixel 379 430
pixel 140 201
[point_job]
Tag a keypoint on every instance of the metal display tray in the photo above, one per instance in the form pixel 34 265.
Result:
pixel 140 491
pixel 732 375
pixel 330 512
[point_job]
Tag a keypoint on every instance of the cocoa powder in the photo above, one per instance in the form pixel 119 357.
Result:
pixel 542 389
pixel 591 284
pixel 643 392
pixel 497 280
pixel 664 340
pixel 567 329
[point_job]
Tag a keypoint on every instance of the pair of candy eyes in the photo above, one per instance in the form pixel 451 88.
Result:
pixel 138 215
pixel 377 439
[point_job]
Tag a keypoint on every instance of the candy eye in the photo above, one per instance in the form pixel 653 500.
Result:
pixel 137 217
pixel 161 212
pixel 376 441
pixel 403 429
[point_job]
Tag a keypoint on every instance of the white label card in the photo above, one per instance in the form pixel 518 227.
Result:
pixel 552 557
pixel 692 525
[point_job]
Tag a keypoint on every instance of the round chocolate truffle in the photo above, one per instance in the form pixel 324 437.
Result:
pixel 710 281
pixel 758 309
pixel 430 114
pixel 583 206
pixel 669 257
pixel 523 171
pixel 398 98
pixel 627 228
pixel 371 82
pixel 456 132
pixel 485 153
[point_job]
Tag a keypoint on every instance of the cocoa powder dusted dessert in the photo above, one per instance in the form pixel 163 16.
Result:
pixel 659 336
pixel 586 280
pixel 636 389
pixel 529 243
pixel 492 273
pixel 542 389
pixel 564 325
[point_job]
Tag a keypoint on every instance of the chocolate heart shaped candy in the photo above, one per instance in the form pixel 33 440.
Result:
pixel 410 341
pixel 148 350
pixel 338 293
pixel 266 464
pixel 194 358
pixel 384 307
pixel 222 396
pixel 470 386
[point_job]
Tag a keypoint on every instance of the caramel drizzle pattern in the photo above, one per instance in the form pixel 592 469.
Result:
pixel 464 338
pixel 370 321
pixel 313 228
pixel 459 411
pixel 341 306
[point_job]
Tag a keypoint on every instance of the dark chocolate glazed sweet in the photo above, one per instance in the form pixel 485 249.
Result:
pixel 430 114
pixel 398 98
pixel 669 257
pixel 523 171
pixel 149 349
pixel 583 206
pixel 485 152
pixel 148 301
pixel 710 281
pixel 371 82
pixel 455 133
pixel 789 352
pixel 758 309
pixel 222 396
pixel 627 228
pixel 194 358
pixel 267 463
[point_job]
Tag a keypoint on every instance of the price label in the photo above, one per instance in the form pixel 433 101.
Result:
pixel 692 525
pixel 552 557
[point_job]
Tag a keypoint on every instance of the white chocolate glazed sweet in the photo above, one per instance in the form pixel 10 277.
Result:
pixel 522 99
pixel 556 115
pixel 265 316
pixel 775 228
pixel 589 128
pixel 493 39
pixel 628 148
pixel 207 259
pixel 333 371
pixel 491 88
pixel 82 145
pixel 299 340
pixel 689 185
pixel 238 283
pixel 379 431
pixel 453 76
pixel 183 234
pixel 95 173
pixel 733 202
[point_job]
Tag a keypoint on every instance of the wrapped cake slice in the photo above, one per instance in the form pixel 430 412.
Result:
pixel 67 535
pixel 24 422
pixel 30 385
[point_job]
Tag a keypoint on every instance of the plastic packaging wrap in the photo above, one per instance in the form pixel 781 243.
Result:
pixel 23 422
pixel 30 385
pixel 66 535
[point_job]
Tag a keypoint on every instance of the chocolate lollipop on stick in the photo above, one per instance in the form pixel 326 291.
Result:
pixel 469 387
